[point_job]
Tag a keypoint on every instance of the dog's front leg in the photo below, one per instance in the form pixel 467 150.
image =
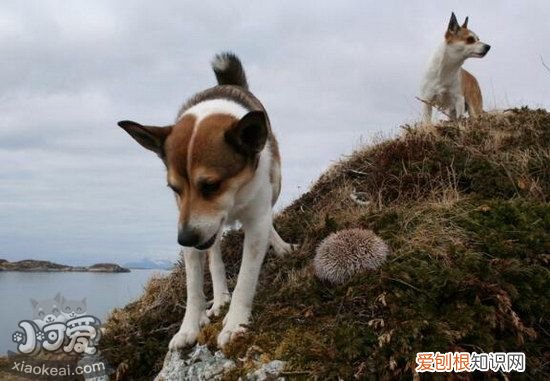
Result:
pixel 460 107
pixel 280 247
pixel 427 114
pixel 256 241
pixel 219 282
pixel 195 311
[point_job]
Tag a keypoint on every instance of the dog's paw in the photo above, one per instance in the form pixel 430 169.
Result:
pixel 204 319
pixel 229 334
pixel 233 326
pixel 184 338
pixel 282 248
pixel 218 305
pixel 187 334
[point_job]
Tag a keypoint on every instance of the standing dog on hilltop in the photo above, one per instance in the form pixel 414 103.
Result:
pixel 446 85
pixel 223 165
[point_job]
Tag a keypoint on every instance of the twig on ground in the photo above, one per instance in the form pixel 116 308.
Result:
pixel 432 104
pixel 409 285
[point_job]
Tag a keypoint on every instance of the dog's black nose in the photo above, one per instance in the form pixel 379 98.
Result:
pixel 487 48
pixel 187 237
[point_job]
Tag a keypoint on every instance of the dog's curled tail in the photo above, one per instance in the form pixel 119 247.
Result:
pixel 229 70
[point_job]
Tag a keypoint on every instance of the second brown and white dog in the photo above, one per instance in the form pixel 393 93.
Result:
pixel 446 85
pixel 223 165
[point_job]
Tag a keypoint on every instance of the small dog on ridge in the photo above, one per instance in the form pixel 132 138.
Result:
pixel 446 85
pixel 223 165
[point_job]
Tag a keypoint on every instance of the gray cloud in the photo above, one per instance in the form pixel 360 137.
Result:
pixel 75 188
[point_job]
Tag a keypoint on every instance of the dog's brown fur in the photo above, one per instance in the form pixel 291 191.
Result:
pixel 472 94
pixel 212 160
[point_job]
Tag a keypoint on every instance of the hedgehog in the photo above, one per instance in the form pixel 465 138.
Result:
pixel 345 253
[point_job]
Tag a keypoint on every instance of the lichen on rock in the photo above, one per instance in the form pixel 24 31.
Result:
pixel 200 365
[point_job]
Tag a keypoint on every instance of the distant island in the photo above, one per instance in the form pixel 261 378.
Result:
pixel 29 265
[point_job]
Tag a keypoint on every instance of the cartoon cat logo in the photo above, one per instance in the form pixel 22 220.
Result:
pixel 58 323
pixel 72 308
pixel 47 311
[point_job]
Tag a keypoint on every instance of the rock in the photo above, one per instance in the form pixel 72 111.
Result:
pixel 200 365
pixel 268 372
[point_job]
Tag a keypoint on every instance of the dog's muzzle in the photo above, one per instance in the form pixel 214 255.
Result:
pixel 188 237
pixel 207 244
pixel 486 49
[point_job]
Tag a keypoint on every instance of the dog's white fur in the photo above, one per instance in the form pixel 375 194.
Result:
pixel 215 106
pixel 442 83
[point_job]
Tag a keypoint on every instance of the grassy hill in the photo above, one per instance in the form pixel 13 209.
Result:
pixel 464 208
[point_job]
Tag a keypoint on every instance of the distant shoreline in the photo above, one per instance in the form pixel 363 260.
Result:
pixel 29 265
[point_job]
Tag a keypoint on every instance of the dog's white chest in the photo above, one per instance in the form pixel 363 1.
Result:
pixel 445 98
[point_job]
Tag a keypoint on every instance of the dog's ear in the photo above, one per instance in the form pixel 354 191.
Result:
pixel 149 137
pixel 453 24
pixel 249 135
pixel 465 24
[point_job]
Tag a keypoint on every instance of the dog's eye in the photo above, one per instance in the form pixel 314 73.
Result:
pixel 174 188
pixel 470 40
pixel 208 188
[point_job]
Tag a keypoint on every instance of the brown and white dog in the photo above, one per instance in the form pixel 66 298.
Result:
pixel 223 165
pixel 446 85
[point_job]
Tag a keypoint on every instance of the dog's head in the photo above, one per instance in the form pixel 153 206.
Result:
pixel 462 43
pixel 208 161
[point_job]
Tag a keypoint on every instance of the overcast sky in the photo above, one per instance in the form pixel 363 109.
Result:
pixel 76 189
